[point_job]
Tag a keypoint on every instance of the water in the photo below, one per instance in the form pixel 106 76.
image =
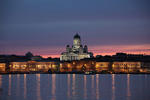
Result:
pixel 74 87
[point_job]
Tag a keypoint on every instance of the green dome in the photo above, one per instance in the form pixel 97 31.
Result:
pixel 77 36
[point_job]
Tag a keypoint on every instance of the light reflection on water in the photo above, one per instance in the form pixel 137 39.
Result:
pixel 74 87
pixel 92 87
pixel 97 87
pixel 113 86
pixel 73 84
pixel 18 85
pixel 25 87
pixel 85 88
pixel 38 87
pixel 53 87
pixel 0 81
pixel 128 87
pixel 68 91
pixel 9 88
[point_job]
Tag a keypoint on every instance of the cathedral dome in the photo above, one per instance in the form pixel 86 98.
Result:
pixel 77 36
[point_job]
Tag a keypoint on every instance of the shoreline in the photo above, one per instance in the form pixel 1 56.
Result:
pixel 73 73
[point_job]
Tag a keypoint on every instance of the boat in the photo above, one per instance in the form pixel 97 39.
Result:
pixel 89 72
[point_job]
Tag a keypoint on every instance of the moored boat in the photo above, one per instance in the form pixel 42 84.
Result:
pixel 89 72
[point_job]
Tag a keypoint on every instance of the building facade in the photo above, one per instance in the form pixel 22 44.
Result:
pixel 75 66
pixel 99 66
pixel 28 66
pixel 2 67
pixel 76 52
pixel 126 66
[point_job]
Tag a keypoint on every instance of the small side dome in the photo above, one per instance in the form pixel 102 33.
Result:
pixel 77 36
pixel 67 46
pixel 85 46
pixel 29 54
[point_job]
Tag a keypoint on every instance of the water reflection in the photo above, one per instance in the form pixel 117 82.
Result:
pixel 53 87
pixel 25 87
pixel 0 81
pixel 68 83
pixel 97 86
pixel 85 88
pixel 113 86
pixel 9 87
pixel 73 85
pixel 145 76
pixel 92 87
pixel 0 86
pixel 18 84
pixel 128 87
pixel 38 87
pixel 92 81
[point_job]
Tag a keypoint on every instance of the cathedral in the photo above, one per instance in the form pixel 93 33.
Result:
pixel 76 52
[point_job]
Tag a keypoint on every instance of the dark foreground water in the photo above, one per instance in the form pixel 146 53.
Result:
pixel 74 87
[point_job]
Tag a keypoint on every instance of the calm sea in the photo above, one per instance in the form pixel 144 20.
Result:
pixel 74 87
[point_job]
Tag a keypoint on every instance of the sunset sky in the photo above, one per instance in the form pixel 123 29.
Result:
pixel 45 27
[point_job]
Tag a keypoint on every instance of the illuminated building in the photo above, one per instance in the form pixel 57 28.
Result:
pixel 100 66
pixel 18 66
pixel 126 66
pixel 2 67
pixel 79 66
pixel 28 66
pixel 115 64
pixel 76 52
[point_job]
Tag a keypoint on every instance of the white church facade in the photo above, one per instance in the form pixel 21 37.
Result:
pixel 76 52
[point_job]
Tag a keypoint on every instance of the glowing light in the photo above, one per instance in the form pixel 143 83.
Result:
pixel 2 67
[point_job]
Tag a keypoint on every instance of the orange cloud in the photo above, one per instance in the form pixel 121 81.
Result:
pixel 107 50
pixel 97 50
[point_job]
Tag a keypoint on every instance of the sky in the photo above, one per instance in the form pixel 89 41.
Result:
pixel 45 27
